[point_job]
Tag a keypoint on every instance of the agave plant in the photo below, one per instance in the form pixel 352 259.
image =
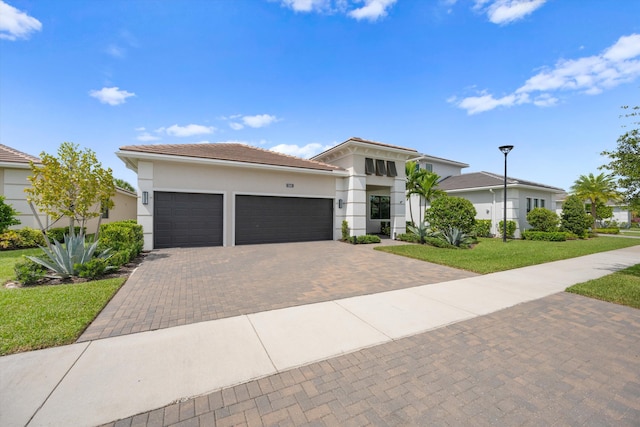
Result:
pixel 421 231
pixel 64 258
pixel 454 236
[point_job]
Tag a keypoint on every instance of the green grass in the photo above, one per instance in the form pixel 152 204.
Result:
pixel 47 316
pixel 492 255
pixel 9 258
pixel 631 232
pixel 622 287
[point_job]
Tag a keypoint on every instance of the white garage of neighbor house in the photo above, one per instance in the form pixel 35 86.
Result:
pixel 15 169
pixel 234 194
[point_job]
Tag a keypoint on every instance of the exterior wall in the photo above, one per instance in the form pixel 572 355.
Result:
pixel 230 181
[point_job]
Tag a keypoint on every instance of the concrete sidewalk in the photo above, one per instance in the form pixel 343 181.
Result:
pixel 100 381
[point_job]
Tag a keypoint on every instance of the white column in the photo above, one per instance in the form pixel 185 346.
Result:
pixel 145 212
pixel 398 207
pixel 356 206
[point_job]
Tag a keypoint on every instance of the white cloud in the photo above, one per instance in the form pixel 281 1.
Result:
pixel 306 5
pixel 236 126
pixel 188 130
pixel 259 120
pixel 372 10
pixel 111 95
pixel 146 136
pixel 140 129
pixel 115 51
pixel 304 151
pixel 15 24
pixel 591 75
pixel 507 11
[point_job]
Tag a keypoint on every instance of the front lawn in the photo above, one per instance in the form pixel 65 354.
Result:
pixel 9 258
pixel 492 255
pixel 622 287
pixel 46 316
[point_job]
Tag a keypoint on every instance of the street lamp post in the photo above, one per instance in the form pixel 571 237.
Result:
pixel 505 149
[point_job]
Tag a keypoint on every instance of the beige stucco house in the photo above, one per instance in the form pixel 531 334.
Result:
pixel 14 171
pixel 234 194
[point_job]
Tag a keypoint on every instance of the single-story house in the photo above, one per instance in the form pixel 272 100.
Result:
pixel 235 194
pixel 14 171
pixel 621 213
pixel 486 191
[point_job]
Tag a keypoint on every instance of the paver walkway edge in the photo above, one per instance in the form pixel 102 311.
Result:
pixel 104 380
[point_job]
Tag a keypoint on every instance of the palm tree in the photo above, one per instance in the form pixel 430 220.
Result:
pixel 595 189
pixel 426 188
pixel 413 173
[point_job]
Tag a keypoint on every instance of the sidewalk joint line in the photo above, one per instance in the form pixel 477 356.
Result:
pixel 58 384
pixel 262 343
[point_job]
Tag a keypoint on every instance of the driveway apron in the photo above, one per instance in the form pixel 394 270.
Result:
pixel 174 287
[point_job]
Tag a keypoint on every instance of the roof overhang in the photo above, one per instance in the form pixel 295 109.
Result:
pixel 509 185
pixel 131 158
pixel 16 165
pixel 357 146
pixel 439 160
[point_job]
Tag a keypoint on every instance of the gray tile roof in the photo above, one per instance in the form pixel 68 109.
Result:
pixel 486 179
pixel 231 152
pixel 11 155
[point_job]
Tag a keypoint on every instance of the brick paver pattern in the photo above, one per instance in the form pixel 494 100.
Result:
pixel 561 360
pixel 174 287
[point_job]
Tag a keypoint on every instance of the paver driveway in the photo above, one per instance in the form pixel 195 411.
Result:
pixel 179 286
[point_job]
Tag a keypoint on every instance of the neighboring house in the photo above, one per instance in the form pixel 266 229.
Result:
pixel 234 194
pixel 14 171
pixel 621 213
pixel 444 168
pixel 486 191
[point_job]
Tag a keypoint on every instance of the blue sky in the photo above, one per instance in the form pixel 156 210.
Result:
pixel 454 79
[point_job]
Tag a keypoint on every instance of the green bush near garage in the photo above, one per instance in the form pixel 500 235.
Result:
pixel 124 238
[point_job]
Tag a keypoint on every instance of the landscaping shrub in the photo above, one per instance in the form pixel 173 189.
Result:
pixel 542 219
pixel 451 212
pixel 93 269
pixel 58 233
pixel 8 216
pixel 124 238
pixel 511 228
pixel 438 243
pixel 482 228
pixel 549 236
pixel 28 272
pixel 367 238
pixel 345 230
pixel 420 232
pixel 455 237
pixel 21 239
pixel 408 237
pixel 608 230
pixel 574 219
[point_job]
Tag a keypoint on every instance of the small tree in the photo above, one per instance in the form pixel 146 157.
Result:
pixel 574 219
pixel 74 184
pixel 542 219
pixel 596 190
pixel 7 216
pixel 447 212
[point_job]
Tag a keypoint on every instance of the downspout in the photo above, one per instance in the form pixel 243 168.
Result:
pixel 494 228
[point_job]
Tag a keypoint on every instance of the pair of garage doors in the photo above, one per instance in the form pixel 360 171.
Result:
pixel 196 219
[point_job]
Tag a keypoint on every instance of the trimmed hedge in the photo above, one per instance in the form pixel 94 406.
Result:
pixel 125 239
pixel 549 236
pixel 21 239
pixel 408 237
pixel 59 232
pixel 439 243
pixel 482 228
pixel 367 238
pixel 607 230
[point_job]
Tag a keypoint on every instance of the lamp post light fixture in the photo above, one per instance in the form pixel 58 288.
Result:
pixel 505 150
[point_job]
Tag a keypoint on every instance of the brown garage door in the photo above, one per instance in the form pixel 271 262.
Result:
pixel 187 220
pixel 262 219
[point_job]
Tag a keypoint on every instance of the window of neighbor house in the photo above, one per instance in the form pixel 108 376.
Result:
pixel 380 207
pixel 105 212
pixel 381 170
pixel 428 167
pixel 368 166
pixel 528 204
pixel 542 203
pixel 535 203
pixel 391 169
